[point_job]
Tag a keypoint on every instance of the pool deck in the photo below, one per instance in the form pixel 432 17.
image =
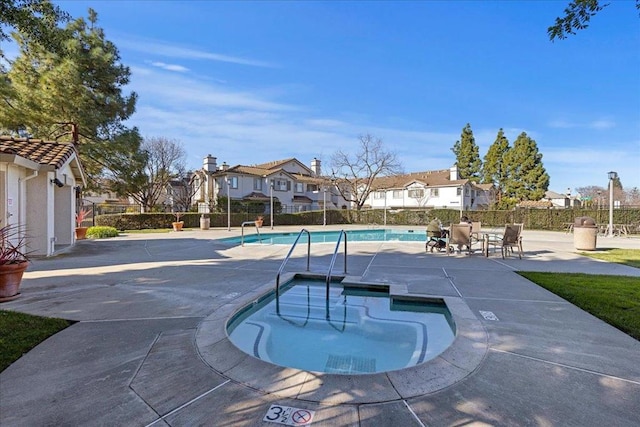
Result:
pixel 149 346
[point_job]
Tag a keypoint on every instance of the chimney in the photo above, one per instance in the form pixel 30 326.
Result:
pixel 225 166
pixel 209 164
pixel 316 167
pixel 453 173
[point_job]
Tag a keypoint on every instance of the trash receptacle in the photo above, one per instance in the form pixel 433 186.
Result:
pixel 585 233
pixel 204 222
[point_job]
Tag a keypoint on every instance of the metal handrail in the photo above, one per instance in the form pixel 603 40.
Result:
pixel 257 230
pixel 304 230
pixel 333 261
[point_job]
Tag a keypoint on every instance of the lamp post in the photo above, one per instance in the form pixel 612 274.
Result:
pixel 612 176
pixel 228 203
pixel 461 200
pixel 385 207
pixel 324 205
pixel 271 202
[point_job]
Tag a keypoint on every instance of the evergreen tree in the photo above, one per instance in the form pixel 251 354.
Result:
pixel 467 155
pixel 493 167
pixel 73 95
pixel 526 177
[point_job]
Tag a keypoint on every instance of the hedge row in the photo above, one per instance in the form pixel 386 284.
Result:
pixel 538 219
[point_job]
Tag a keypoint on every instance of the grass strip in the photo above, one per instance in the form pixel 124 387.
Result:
pixel 20 332
pixel 630 257
pixel 614 299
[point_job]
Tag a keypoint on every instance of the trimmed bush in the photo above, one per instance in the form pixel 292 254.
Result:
pixel 101 232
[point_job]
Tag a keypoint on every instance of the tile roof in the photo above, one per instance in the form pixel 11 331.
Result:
pixel 50 153
pixel 274 164
pixel 431 178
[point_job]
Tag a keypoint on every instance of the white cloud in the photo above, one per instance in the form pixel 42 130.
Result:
pixel 602 124
pixel 169 50
pixel 170 67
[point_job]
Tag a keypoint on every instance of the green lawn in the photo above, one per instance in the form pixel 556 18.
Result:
pixel 614 299
pixel 630 257
pixel 20 332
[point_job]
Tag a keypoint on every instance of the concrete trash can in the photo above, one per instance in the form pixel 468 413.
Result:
pixel 585 233
pixel 204 222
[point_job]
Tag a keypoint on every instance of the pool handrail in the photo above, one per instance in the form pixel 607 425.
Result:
pixel 333 261
pixel 257 231
pixel 304 230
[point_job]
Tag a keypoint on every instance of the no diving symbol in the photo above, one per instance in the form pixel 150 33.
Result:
pixel 289 416
pixel 301 417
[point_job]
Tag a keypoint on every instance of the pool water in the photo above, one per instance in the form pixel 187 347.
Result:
pixel 359 331
pixel 417 235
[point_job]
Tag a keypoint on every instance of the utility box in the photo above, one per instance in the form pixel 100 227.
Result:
pixel 585 233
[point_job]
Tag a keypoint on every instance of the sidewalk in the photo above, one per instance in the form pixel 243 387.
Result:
pixel 149 347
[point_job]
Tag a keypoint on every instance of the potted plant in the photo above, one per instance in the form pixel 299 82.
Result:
pixel 13 261
pixel 259 221
pixel 81 232
pixel 177 224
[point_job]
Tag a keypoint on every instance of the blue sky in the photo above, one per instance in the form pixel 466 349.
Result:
pixel 251 82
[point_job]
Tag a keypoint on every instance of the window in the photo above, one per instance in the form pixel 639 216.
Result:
pixel 379 195
pixel 234 182
pixel 397 194
pixel 281 185
pixel 312 187
pixel 434 192
pixel 458 191
pixel 299 187
pixel 257 184
pixel 416 193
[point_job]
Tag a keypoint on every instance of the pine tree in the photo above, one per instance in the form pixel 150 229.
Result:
pixel 526 177
pixel 71 95
pixel 467 155
pixel 493 167
pixel 493 170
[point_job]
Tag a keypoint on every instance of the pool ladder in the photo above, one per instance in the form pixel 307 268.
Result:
pixel 331 264
pixel 257 231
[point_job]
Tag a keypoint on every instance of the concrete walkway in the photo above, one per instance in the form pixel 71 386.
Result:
pixel 149 346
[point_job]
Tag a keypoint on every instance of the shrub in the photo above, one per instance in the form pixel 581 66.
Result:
pixel 101 232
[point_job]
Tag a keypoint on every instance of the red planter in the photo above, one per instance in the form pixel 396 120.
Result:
pixel 81 233
pixel 10 279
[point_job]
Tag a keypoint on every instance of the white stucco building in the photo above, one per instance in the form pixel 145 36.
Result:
pixel 39 181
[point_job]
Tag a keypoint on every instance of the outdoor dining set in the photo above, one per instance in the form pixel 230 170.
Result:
pixel 466 235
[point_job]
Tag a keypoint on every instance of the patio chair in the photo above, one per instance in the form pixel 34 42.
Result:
pixel 459 234
pixel 476 232
pixel 507 241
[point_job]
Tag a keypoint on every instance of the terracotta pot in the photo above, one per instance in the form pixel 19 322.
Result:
pixel 177 226
pixel 81 233
pixel 10 279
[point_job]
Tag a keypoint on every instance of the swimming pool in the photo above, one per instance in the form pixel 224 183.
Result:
pixel 411 235
pixel 357 331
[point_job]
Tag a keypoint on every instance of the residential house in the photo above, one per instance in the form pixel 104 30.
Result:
pixel 431 189
pixel 39 186
pixel 559 200
pixel 287 183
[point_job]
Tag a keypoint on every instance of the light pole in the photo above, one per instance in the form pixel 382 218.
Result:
pixel 271 201
pixel 385 207
pixel 228 203
pixel 612 176
pixel 324 205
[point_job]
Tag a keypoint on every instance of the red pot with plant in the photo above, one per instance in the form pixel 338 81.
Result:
pixel 81 232
pixel 13 261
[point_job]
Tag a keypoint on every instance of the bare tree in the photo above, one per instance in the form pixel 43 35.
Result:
pixel 164 158
pixel 356 172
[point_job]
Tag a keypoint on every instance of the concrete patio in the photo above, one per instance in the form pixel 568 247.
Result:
pixel 149 346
